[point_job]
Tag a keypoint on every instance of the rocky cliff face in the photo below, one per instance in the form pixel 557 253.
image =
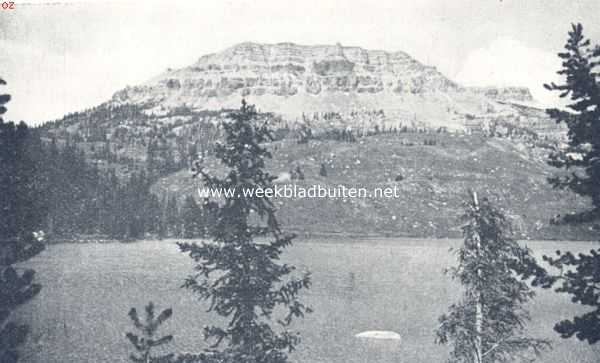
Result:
pixel 520 94
pixel 292 79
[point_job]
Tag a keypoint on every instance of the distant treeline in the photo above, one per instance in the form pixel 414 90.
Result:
pixel 55 189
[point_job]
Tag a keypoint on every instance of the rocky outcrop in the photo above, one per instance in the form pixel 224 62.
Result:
pixel 505 93
pixel 288 69
pixel 293 79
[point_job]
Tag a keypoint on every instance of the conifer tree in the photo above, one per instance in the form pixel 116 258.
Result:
pixel 487 325
pixel 579 275
pixel 323 170
pixel 173 222
pixel 209 217
pixel 145 343
pixel 191 215
pixel 580 62
pixel 242 278
pixel 4 98
pixel 153 214
pixel 19 219
pixel 151 165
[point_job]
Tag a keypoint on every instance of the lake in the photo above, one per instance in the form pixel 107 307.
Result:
pixel 358 285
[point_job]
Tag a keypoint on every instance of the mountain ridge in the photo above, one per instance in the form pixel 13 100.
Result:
pixel 291 79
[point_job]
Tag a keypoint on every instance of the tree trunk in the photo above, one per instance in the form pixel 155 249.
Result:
pixel 478 358
pixel 478 326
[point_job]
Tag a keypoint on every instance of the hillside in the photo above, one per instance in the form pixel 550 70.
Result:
pixel 407 119
pixel 436 179
pixel 323 87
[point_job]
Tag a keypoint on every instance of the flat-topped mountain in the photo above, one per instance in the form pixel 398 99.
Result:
pixel 358 112
pixel 292 79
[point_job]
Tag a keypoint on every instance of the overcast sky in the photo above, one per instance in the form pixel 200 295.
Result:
pixel 63 57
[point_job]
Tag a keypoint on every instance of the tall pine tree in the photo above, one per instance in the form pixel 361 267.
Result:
pixel 487 325
pixel 193 221
pixel 580 70
pixel 172 218
pixel 580 275
pixel 241 277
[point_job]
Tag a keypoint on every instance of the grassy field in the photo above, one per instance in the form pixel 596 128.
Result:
pixel 359 285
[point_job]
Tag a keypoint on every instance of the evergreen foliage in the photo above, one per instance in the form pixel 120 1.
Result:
pixel 68 197
pixel 488 324
pixel 21 215
pixel 192 217
pixel 146 342
pixel 580 62
pixel 172 217
pixel 240 276
pixel 323 170
pixel 579 275
pixel 79 199
pixel 82 199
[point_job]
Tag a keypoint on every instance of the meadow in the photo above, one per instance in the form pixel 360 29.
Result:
pixel 358 285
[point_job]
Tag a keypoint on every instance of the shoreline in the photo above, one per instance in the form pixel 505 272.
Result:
pixel 333 237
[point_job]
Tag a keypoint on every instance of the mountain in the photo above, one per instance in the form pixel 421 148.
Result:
pixel 374 118
pixel 291 80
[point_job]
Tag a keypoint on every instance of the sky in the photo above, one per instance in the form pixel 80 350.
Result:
pixel 66 56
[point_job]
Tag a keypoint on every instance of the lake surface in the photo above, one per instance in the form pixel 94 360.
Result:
pixel 358 285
